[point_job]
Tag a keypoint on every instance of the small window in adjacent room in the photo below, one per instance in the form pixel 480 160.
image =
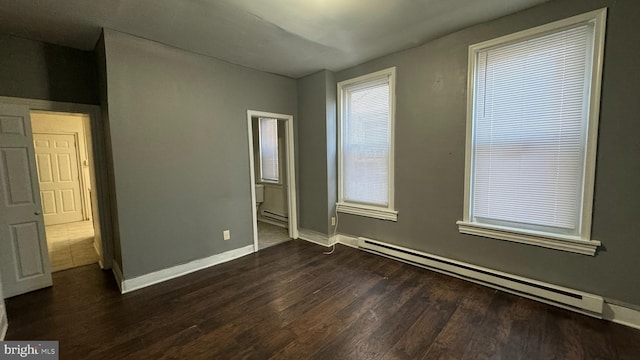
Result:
pixel 532 125
pixel 365 148
pixel 269 170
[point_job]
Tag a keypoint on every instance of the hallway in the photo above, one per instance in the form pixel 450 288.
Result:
pixel 71 245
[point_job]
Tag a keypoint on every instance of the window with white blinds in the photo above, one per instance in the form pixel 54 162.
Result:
pixel 531 115
pixel 366 144
pixel 269 170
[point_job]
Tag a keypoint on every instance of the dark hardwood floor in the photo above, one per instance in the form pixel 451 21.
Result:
pixel 290 301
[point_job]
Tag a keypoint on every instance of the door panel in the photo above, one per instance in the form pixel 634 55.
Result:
pixel 57 161
pixel 24 261
pixel 12 125
pixel 43 161
pixel 15 162
pixel 48 202
pixel 26 249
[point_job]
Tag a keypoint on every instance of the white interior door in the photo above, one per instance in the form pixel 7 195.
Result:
pixel 24 261
pixel 57 163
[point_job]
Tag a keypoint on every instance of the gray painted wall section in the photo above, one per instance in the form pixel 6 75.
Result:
pixel 317 151
pixel 312 153
pixel 178 129
pixel 111 216
pixel 35 70
pixel 430 147
pixel 332 141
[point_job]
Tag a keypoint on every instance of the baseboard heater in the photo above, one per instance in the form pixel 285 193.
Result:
pixel 268 214
pixel 548 293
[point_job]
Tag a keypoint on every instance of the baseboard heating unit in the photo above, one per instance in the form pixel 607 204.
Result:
pixel 267 214
pixel 585 303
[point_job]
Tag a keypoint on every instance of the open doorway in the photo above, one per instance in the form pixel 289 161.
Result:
pixel 271 155
pixel 24 255
pixel 65 166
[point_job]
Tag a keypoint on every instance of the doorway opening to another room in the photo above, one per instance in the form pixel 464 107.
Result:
pixel 273 193
pixel 49 178
pixel 64 161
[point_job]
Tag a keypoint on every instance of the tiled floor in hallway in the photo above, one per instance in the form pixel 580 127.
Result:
pixel 269 235
pixel 71 245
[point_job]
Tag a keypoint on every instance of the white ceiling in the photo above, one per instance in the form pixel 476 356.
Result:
pixel 288 37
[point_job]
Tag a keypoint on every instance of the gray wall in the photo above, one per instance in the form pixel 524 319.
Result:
pixel 111 217
pixel 430 146
pixel 312 153
pixel 317 151
pixel 36 70
pixel 178 133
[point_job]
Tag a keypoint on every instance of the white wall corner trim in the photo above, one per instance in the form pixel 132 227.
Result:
pixel 551 241
pixel 347 240
pixel 621 315
pixel 4 323
pixel 136 283
pixel 316 237
pixel 117 274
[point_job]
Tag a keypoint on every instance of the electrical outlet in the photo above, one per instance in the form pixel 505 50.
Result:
pixel 226 234
pixel 333 221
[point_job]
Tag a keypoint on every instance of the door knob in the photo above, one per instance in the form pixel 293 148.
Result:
pixel 36 213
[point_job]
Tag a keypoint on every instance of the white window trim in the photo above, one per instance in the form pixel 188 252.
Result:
pixel 378 212
pixel 582 244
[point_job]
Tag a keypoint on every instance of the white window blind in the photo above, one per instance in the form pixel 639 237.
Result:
pixel 269 149
pixel 366 138
pixel 530 119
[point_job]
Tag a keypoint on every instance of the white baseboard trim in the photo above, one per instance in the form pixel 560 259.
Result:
pixel 117 273
pixel 316 237
pixel 621 315
pixel 4 324
pixel 136 283
pixel 347 240
pixel 325 240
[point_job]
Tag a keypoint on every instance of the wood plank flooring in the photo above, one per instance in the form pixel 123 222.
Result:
pixel 292 302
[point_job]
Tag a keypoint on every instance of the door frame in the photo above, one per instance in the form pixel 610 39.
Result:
pixel 291 173
pixel 99 157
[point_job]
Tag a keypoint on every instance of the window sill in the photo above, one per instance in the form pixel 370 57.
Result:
pixel 272 184
pixel 551 241
pixel 269 182
pixel 368 211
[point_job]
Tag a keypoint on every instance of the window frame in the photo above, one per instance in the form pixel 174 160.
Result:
pixel 362 209
pixel 581 243
pixel 260 152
